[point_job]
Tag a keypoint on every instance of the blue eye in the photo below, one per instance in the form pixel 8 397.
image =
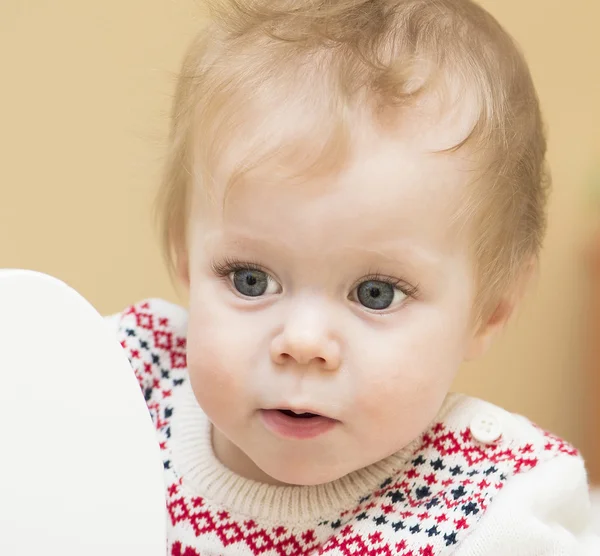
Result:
pixel 250 282
pixel 377 295
pixel 247 278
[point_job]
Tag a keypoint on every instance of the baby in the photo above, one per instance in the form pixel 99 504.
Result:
pixel 354 200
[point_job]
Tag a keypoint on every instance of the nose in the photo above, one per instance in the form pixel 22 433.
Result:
pixel 306 339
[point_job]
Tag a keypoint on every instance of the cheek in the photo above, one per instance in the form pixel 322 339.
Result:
pixel 409 369
pixel 228 350
pixel 216 357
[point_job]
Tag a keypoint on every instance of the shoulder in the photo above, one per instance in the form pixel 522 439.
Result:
pixel 153 334
pixel 530 485
pixel 465 464
pixel 473 449
pixel 497 434
pixel 149 314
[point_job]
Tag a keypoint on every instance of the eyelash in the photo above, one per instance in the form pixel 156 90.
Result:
pixel 227 266
pixel 406 289
pixel 224 268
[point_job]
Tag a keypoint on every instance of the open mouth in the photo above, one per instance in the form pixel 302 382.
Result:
pixel 290 413
pixel 298 425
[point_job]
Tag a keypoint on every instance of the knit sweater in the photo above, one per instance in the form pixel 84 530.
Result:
pixel 479 481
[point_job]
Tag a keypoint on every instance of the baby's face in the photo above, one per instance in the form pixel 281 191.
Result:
pixel 347 297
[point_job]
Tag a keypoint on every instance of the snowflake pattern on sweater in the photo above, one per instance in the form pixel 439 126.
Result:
pixel 425 509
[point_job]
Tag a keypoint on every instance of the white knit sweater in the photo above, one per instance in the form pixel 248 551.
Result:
pixel 479 481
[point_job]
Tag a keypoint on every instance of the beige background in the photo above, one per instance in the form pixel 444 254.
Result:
pixel 84 95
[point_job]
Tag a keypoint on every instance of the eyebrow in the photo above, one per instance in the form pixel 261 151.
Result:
pixel 393 251
pixel 401 253
pixel 244 240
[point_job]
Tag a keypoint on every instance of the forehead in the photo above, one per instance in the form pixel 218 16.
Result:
pixel 390 190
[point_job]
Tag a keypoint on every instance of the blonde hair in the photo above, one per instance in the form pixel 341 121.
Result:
pixel 330 55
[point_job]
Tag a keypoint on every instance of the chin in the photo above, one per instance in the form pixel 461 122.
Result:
pixel 301 475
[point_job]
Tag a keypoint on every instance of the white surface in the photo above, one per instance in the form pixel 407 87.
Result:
pixel 80 468
pixel 596 510
pixel 486 428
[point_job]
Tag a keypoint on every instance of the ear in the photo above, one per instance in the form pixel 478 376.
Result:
pixel 182 268
pixel 487 330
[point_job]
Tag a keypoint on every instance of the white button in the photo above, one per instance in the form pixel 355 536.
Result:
pixel 486 428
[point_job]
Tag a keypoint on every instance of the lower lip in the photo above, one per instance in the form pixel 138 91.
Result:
pixel 296 427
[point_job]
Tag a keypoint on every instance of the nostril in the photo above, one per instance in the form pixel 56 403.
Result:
pixel 286 357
